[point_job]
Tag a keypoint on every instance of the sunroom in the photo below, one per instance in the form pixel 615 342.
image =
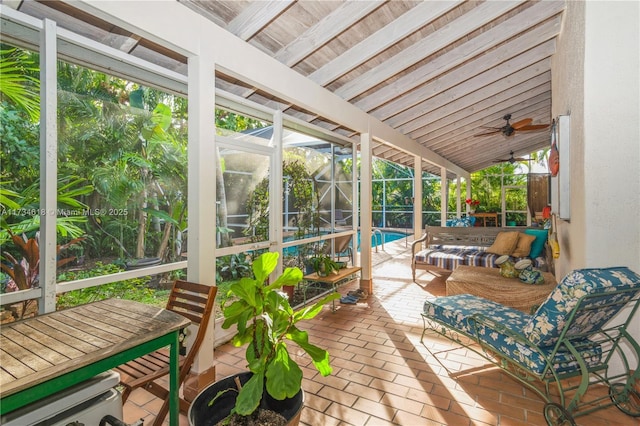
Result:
pixel 334 84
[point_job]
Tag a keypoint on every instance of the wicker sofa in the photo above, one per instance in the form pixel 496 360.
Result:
pixel 445 248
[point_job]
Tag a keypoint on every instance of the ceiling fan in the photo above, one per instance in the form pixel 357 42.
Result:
pixel 512 159
pixel 509 129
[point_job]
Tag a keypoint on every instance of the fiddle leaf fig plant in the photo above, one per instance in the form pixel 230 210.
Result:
pixel 265 321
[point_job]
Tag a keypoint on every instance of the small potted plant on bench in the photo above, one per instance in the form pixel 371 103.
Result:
pixel 323 265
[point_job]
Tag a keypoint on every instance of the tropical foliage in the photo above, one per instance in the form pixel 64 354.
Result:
pixel 122 172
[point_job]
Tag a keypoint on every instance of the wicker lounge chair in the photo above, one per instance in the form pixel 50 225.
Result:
pixel 562 349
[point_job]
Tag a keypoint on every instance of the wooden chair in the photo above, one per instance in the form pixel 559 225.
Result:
pixel 341 247
pixel 193 301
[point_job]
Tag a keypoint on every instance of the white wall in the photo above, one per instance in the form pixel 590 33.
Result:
pixel 596 74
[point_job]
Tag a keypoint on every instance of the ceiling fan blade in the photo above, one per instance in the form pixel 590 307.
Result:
pixel 522 123
pixel 492 132
pixel 533 127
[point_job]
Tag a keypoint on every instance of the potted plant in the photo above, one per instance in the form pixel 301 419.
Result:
pixel 324 265
pixel 265 321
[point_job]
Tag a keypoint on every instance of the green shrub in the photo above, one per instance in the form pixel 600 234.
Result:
pixel 132 289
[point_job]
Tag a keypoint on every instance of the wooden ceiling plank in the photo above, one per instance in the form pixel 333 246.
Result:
pixel 487 107
pixel 479 159
pixel 408 23
pixel 322 32
pixel 203 8
pixel 474 124
pixel 255 16
pixel 501 58
pixel 475 81
pixel 488 39
pixel 491 147
pixel 491 115
pixel 516 83
pixel 535 108
pixel 327 28
pixel 382 149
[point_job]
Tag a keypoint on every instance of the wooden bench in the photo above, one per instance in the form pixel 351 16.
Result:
pixel 457 239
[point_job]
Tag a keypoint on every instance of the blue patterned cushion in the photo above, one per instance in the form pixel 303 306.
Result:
pixel 465 222
pixel 456 311
pixel 451 256
pixel 548 321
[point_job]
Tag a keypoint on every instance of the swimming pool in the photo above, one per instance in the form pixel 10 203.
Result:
pixel 388 236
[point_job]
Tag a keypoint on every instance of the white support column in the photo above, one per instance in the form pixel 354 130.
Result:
pixel 417 196
pixel 202 163
pixel 443 196
pixel 458 193
pixel 275 189
pixel 48 166
pixel 468 179
pixel 366 282
pixel 355 203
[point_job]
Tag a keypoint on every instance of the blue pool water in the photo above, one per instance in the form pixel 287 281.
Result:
pixel 387 235
pixel 375 240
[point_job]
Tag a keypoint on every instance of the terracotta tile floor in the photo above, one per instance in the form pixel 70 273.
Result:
pixel 383 374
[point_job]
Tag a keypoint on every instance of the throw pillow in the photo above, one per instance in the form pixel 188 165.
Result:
pixel 504 243
pixel 523 247
pixel 538 245
pixel 464 222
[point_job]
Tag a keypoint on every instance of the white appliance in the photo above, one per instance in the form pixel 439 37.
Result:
pixel 84 404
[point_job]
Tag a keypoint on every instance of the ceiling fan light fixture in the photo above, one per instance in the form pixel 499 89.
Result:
pixel 510 129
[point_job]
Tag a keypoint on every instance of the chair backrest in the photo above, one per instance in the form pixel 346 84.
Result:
pixel 195 302
pixel 342 243
pixel 604 300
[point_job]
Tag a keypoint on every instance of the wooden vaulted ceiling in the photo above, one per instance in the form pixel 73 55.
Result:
pixel 437 71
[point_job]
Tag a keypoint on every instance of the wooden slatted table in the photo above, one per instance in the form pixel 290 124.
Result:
pixel 42 355
pixel 335 280
pixel 491 216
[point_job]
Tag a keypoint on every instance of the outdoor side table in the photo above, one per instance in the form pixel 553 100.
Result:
pixel 343 276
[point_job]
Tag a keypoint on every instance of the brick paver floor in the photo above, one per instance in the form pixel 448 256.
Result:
pixel 383 375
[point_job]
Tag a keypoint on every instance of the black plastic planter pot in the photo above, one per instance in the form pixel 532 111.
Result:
pixel 201 414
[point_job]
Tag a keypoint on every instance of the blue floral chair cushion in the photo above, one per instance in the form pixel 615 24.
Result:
pixel 546 324
pixel 458 313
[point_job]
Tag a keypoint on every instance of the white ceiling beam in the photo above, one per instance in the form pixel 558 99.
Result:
pixel 473 82
pixel 532 142
pixel 447 61
pixel 255 16
pixel 512 85
pixel 345 16
pixel 411 21
pixel 510 57
pixel 322 32
pixel 468 141
pixel 493 107
pixel 191 34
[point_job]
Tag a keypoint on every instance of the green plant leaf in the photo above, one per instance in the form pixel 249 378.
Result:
pixel 320 357
pixel 245 289
pixel 311 311
pixel 290 276
pixel 250 395
pixel 233 313
pixel 161 214
pixel 284 377
pixel 264 265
